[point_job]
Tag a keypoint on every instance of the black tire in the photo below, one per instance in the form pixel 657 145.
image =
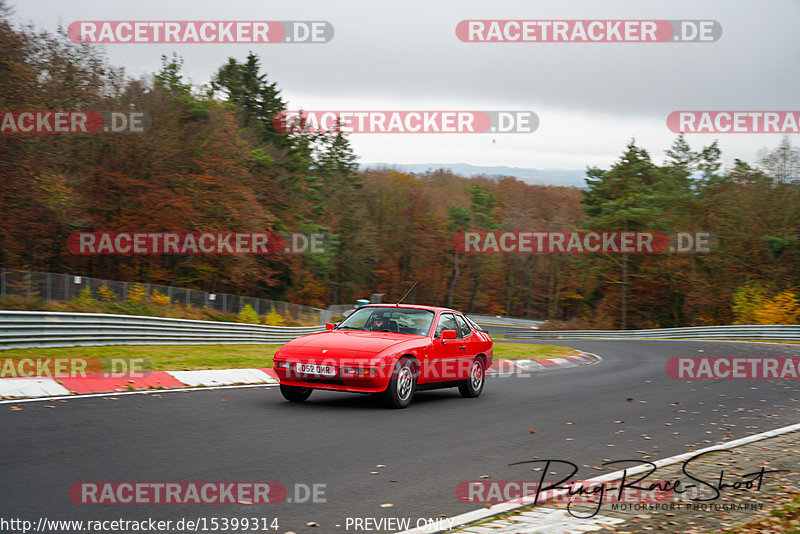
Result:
pixel 295 393
pixel 400 390
pixel 473 386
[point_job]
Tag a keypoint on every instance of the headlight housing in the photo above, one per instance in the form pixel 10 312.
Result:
pixel 357 371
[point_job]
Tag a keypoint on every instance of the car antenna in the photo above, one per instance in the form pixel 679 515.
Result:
pixel 407 292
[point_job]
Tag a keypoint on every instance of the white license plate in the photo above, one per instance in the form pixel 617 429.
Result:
pixel 312 369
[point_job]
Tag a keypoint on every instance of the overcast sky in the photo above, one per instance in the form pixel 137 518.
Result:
pixel 591 98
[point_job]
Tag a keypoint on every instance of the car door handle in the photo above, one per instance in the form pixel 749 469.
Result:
pixel 463 347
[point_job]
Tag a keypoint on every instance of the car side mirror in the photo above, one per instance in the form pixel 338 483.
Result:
pixel 449 334
pixel 329 326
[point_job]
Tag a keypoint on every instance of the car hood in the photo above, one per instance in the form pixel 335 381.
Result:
pixel 345 343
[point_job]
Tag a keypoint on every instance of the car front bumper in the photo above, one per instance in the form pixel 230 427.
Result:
pixel 374 382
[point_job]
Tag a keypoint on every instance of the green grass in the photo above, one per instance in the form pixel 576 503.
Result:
pixel 191 357
pixel 164 357
pixel 520 351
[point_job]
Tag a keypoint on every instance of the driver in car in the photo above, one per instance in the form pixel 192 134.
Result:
pixel 378 323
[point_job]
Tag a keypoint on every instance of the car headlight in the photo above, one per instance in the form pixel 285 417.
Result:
pixel 358 371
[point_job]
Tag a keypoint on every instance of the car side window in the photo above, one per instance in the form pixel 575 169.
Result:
pixel 463 327
pixel 446 322
pixel 475 326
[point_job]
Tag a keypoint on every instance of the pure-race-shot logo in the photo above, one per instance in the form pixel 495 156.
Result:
pixel 744 122
pixel 587 31
pixel 73 122
pixel 199 31
pixel 405 122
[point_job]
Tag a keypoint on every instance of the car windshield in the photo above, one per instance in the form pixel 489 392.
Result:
pixel 402 320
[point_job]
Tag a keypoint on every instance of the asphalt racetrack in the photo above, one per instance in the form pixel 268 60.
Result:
pixel 617 409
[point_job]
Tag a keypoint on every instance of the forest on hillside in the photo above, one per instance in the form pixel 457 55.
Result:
pixel 212 161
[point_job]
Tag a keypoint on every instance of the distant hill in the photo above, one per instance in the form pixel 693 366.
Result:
pixel 562 177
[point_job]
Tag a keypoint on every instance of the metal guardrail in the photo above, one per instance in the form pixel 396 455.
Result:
pixel 732 332
pixel 493 320
pixel 36 329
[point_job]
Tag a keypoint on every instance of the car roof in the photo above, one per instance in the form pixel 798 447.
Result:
pixel 410 306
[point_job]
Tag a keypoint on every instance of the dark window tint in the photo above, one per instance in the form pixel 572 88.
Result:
pixel 446 322
pixel 463 327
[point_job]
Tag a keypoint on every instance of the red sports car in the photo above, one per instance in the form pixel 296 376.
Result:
pixel 391 349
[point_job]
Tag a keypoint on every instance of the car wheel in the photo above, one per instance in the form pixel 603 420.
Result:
pixel 473 386
pixel 295 393
pixel 402 385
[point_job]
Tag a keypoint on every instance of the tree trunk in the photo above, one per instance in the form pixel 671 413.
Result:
pixel 451 292
pixel 624 322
